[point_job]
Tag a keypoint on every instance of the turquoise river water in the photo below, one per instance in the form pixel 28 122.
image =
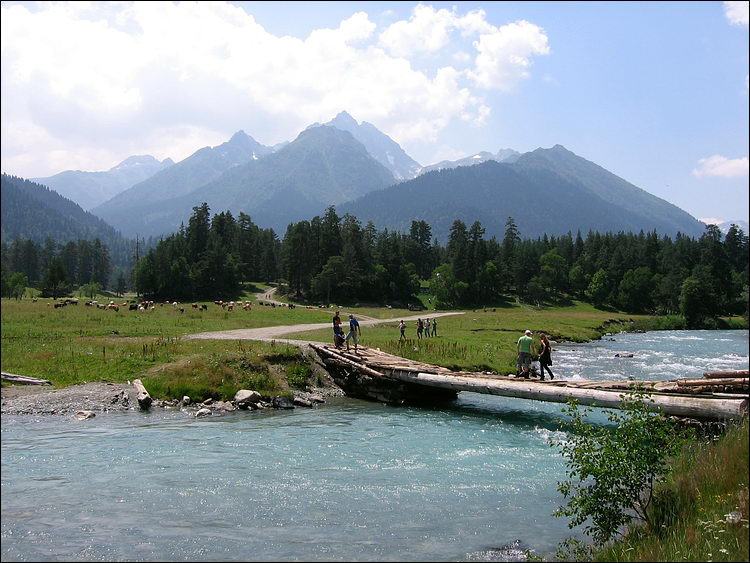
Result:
pixel 346 481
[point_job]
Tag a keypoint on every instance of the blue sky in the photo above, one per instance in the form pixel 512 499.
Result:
pixel 655 92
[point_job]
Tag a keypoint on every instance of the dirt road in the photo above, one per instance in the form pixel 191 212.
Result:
pixel 274 332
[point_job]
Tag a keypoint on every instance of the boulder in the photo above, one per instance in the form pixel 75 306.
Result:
pixel 302 402
pixel 244 398
pixel 83 415
pixel 186 400
pixel 203 412
pixel 281 402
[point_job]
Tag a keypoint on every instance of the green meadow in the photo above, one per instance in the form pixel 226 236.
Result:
pixel 78 344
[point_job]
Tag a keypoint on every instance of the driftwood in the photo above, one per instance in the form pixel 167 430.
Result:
pixel 24 379
pixel 144 399
pixel 721 374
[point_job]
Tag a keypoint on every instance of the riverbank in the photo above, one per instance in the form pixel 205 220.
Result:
pixel 700 509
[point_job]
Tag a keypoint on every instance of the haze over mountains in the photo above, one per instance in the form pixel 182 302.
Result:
pixel 90 189
pixel 364 172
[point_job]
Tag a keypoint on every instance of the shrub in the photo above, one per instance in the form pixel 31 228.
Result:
pixel 612 471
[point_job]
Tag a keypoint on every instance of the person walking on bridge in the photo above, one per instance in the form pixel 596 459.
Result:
pixel 525 349
pixel 354 332
pixel 545 357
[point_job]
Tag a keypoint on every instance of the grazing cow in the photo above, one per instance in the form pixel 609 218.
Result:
pixel 58 305
pixel 204 307
pixel 194 305
pixel 133 307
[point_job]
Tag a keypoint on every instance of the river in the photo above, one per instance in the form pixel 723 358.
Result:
pixel 347 481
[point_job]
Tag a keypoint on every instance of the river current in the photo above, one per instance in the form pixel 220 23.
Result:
pixel 347 481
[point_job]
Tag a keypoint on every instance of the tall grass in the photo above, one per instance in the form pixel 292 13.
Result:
pixel 695 507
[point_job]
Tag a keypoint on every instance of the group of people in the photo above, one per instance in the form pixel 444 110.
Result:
pixel 338 333
pixel 527 350
pixel 425 328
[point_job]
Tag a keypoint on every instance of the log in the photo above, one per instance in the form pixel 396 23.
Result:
pixel 338 358
pixel 737 381
pixel 734 373
pixel 677 405
pixel 144 399
pixel 24 379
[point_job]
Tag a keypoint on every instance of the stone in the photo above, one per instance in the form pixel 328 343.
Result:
pixel 281 402
pixel 186 400
pixel 203 412
pixel 301 402
pixel 245 397
pixel 84 415
pixel 207 401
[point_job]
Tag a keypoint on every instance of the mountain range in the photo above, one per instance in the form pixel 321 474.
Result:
pixel 546 191
pixel 503 155
pixel 90 189
pixel 362 171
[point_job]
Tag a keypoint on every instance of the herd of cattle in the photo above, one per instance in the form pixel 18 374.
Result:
pixel 151 305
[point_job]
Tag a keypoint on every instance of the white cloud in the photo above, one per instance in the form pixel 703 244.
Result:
pixel 78 77
pixel 505 54
pixel 737 12
pixel 721 166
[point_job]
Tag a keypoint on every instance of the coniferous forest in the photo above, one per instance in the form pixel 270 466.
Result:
pixel 333 259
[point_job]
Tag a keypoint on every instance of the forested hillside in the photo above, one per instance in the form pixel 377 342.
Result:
pixel 34 212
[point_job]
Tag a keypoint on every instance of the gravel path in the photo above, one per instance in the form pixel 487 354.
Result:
pixel 274 332
pixel 45 399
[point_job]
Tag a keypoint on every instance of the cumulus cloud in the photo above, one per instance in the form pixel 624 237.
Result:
pixel 86 80
pixel 737 12
pixel 721 166
pixel 504 55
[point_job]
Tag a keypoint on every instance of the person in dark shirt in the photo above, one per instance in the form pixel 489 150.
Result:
pixel 545 357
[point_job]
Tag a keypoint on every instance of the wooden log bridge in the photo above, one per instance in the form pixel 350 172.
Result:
pixel 376 375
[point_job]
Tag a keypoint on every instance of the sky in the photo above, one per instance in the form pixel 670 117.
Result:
pixel 655 92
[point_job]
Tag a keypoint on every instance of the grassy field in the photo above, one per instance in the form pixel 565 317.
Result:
pixel 77 344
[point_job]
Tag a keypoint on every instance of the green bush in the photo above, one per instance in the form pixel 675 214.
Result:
pixel 612 471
